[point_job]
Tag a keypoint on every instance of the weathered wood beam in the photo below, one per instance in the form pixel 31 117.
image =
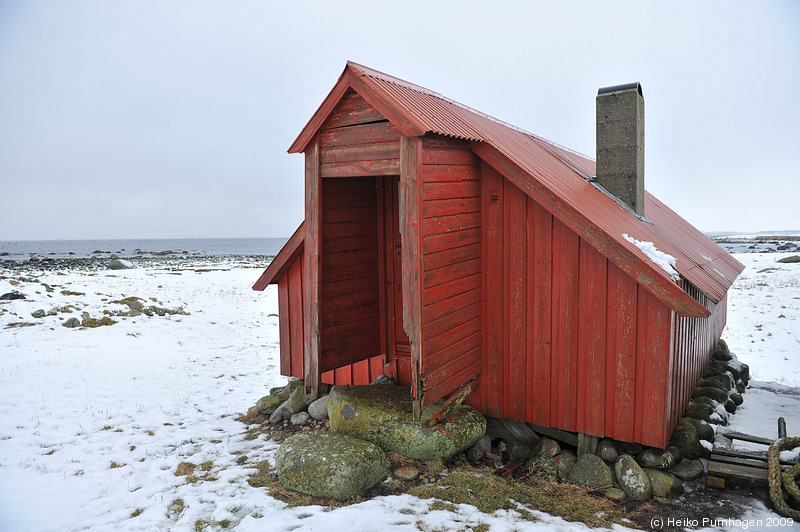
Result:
pixel 411 258
pixel 311 340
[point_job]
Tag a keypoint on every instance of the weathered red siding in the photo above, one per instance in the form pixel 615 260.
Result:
pixel 290 308
pixel 451 263
pixel 694 343
pixel 569 340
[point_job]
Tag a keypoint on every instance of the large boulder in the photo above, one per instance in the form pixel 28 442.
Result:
pixel 383 415
pixel 319 408
pixel 335 466
pixel 656 458
pixel 715 393
pixel 606 450
pixel 688 469
pixel 632 478
pixel 664 485
pixel 590 472
pixel 564 460
pixel 542 466
pixel 688 439
pixel 120 264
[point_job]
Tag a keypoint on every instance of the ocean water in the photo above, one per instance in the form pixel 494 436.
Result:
pixel 203 247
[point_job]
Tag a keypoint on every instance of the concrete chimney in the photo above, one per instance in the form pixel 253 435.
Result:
pixel 620 143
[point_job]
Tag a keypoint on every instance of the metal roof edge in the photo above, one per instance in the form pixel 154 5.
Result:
pixel 319 116
pixel 285 257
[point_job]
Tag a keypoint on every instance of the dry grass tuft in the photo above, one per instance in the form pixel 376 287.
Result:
pixel 94 322
pixel 185 469
pixel 490 493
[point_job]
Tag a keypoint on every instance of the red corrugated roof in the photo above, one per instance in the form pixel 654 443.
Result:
pixel 566 174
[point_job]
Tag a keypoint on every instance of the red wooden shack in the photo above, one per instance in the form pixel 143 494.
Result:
pixel 441 245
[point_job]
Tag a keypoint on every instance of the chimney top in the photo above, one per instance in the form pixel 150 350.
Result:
pixel 624 87
pixel 620 143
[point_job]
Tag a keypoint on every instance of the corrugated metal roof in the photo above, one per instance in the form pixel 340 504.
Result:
pixel 566 173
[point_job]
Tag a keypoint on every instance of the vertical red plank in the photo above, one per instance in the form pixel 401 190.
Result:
pixel 387 347
pixel 295 288
pixel 612 355
pixel 565 324
pixel 514 292
pixel 361 372
pixel 622 349
pixel 311 340
pixel 656 374
pixel 344 375
pixel 669 374
pixel 591 354
pixel 492 289
pixel 376 367
pixel 411 248
pixel 328 377
pixel 285 324
pixel 542 352
pixel 531 413
pixel 641 361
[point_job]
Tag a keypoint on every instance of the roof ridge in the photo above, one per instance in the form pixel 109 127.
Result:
pixel 369 72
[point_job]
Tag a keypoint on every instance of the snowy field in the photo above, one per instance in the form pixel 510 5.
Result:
pixel 94 421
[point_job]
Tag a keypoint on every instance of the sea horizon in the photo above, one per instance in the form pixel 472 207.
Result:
pixel 19 250
pixel 135 247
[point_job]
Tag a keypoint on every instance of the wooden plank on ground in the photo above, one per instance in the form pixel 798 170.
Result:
pixel 733 435
pixel 736 471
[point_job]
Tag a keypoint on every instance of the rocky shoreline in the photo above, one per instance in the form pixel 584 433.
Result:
pixel 104 260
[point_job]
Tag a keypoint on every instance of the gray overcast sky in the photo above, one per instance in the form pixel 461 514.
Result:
pixel 150 119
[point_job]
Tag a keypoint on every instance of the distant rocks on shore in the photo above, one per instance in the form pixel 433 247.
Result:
pixel 101 262
pixel 120 264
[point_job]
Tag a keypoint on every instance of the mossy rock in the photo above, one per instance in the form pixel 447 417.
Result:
pixel 664 485
pixel 334 466
pixel 290 387
pixel 688 470
pixel 268 404
pixel 590 472
pixel 656 458
pixel 789 260
pixel 715 393
pixel 542 466
pixel 632 478
pixel 704 430
pixel 688 439
pixel 383 415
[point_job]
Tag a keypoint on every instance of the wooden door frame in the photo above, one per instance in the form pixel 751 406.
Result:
pixel 389 269
pixel 410 222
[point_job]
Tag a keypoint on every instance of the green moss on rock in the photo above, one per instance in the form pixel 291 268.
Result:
pixel 383 415
pixel 335 466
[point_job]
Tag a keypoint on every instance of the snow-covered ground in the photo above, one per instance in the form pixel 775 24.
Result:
pixel 94 421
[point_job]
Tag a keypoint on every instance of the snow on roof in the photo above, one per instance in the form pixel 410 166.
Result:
pixel 665 261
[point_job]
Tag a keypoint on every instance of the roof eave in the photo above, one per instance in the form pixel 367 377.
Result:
pixel 283 260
